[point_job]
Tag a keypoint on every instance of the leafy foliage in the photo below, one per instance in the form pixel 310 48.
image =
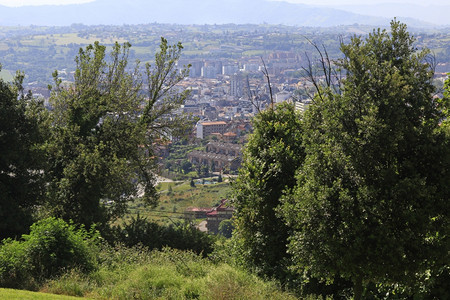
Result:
pixel 163 95
pixel 182 236
pixel 271 157
pixel 52 247
pixel 127 273
pixel 20 180
pixel 92 136
pixel 226 228
pixel 371 198
pixel 100 145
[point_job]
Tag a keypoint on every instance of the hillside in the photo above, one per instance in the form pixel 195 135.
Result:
pixel 117 12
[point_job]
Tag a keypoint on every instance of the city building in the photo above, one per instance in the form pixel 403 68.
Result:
pixel 230 69
pixel 214 216
pixel 207 128
pixel 302 105
pixel 236 89
pixel 221 157
pixel 209 72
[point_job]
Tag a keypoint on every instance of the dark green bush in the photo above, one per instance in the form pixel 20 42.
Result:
pixel 226 228
pixel 182 236
pixel 51 248
pixel 15 268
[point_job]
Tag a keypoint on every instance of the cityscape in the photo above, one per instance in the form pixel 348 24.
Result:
pixel 260 149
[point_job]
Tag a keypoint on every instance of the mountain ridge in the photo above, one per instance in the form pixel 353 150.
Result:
pixel 433 14
pixel 118 12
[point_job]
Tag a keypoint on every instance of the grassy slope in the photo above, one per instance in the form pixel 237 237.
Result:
pixel 26 295
pixel 169 274
pixel 173 204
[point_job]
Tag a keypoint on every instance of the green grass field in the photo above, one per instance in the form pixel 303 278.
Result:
pixel 26 295
pixel 68 38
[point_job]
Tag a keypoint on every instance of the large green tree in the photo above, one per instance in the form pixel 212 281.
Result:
pixel 371 202
pixel 272 155
pixel 102 128
pixel 20 177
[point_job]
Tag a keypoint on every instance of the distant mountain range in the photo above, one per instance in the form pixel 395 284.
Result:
pixel 435 14
pixel 119 12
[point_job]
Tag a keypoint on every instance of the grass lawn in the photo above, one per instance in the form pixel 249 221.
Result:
pixel 27 295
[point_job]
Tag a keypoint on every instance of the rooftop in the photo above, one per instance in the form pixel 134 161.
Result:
pixel 210 123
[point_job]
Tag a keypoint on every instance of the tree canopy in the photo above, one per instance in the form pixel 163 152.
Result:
pixel 272 155
pixel 371 198
pixel 102 128
pixel 20 160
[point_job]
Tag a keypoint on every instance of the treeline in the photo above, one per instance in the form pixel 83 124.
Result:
pixel 350 199
pixel 90 154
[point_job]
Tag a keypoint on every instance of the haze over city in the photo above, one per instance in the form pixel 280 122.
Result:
pixel 320 13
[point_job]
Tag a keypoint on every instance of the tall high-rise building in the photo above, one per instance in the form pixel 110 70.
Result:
pixel 230 69
pixel 236 85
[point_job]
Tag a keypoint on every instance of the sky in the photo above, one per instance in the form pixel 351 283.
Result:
pixel 310 2
pixel 367 2
pixel 40 2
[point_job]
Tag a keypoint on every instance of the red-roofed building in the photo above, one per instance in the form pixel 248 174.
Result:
pixel 213 215
pixel 207 128
pixel 229 136
pixel 217 215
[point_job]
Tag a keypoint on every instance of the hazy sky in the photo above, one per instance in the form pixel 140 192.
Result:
pixel 311 2
pixel 362 2
pixel 40 2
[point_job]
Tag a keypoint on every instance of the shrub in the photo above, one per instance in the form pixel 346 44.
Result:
pixel 51 248
pixel 226 228
pixel 226 282
pixel 72 283
pixel 15 268
pixel 183 236
pixel 136 273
